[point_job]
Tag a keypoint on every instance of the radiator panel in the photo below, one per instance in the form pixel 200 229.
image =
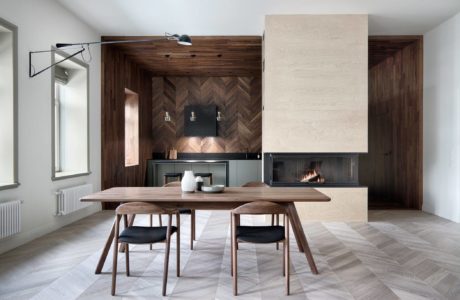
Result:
pixel 69 199
pixel 10 218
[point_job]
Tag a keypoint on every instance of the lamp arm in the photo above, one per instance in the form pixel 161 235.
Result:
pixel 167 36
pixel 33 74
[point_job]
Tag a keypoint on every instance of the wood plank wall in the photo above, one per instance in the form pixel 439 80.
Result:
pixel 118 73
pixel 393 167
pixel 238 98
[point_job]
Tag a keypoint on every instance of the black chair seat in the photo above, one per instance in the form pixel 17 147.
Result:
pixel 173 174
pixel 260 234
pixel 144 235
pixel 203 174
pixel 185 211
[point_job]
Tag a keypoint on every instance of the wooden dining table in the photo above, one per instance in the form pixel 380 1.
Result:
pixel 231 198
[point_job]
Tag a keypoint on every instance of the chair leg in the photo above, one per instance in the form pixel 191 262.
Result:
pixel 235 262
pixel 284 258
pixel 286 247
pixel 159 220
pixel 114 267
pixel 231 245
pixel 115 254
pixel 192 228
pixel 127 259
pixel 237 223
pixel 166 262
pixel 178 246
pixel 151 224
pixel 277 224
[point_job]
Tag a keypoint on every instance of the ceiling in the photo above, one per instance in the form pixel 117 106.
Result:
pixel 246 17
pixel 208 56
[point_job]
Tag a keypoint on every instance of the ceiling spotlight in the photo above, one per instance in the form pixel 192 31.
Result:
pixel 184 40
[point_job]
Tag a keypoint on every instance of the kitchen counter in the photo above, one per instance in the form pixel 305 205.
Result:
pixel 189 161
pixel 232 172
pixel 210 156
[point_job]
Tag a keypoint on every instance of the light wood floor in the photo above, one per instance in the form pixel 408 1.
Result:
pixel 398 254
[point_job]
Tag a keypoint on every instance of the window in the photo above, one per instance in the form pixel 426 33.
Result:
pixel 131 128
pixel 8 105
pixel 70 121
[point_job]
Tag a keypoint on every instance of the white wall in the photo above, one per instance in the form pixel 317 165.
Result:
pixel 42 23
pixel 441 162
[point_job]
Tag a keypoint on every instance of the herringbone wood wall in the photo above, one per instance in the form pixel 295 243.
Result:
pixel 239 100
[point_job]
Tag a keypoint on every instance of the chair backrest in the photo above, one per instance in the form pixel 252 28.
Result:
pixel 259 208
pixel 255 184
pixel 142 208
pixel 172 184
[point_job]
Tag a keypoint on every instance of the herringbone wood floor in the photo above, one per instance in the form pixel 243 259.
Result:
pixel 398 254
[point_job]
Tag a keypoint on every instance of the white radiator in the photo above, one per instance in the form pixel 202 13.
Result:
pixel 69 199
pixel 10 218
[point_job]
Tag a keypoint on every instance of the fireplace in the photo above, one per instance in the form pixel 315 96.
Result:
pixel 311 169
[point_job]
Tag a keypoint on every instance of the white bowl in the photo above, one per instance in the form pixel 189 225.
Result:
pixel 219 188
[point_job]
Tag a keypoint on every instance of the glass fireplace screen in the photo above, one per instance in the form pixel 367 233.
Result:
pixel 305 169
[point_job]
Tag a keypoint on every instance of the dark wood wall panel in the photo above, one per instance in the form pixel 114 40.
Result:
pixel 393 167
pixel 119 73
pixel 238 98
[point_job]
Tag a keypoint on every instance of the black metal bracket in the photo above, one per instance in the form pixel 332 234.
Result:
pixel 32 72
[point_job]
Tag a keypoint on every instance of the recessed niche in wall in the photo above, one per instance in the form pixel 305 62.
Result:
pixel 131 128
pixel 8 105
pixel 70 118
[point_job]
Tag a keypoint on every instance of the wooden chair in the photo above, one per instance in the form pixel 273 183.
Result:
pixel 176 176
pixel 259 234
pixel 144 235
pixel 205 175
pixel 184 211
pixel 263 184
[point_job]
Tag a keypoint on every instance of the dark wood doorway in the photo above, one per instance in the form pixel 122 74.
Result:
pixel 393 167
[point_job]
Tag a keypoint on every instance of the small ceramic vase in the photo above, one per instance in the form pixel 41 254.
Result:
pixel 188 183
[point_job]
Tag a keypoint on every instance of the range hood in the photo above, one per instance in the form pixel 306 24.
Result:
pixel 200 120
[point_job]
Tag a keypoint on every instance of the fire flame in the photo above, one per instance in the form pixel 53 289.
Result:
pixel 312 176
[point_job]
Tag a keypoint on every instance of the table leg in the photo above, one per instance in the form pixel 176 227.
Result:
pixel 130 223
pixel 300 236
pixel 105 251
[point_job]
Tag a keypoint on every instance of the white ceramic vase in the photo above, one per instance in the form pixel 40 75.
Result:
pixel 188 182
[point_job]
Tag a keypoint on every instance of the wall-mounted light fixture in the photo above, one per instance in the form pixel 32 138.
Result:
pixel 192 117
pixel 219 116
pixel 167 117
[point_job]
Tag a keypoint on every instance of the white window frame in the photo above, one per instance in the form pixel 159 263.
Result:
pixel 56 140
pixel 14 29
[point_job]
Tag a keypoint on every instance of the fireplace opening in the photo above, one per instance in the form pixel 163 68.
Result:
pixel 313 173
pixel 311 169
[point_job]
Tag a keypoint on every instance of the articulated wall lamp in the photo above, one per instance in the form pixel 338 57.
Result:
pixel 184 40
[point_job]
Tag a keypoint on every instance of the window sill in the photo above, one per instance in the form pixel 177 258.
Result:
pixel 9 186
pixel 66 175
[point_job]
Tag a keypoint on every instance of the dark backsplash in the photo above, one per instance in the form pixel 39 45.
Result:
pixel 209 156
